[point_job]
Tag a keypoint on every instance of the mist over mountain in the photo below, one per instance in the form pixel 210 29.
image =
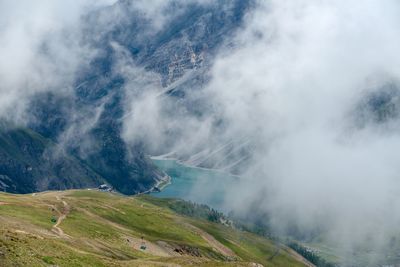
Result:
pixel 120 54
pixel 300 99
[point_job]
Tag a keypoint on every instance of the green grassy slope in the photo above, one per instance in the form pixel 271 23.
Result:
pixel 102 229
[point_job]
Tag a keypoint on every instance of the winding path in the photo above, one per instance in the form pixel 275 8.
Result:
pixel 61 217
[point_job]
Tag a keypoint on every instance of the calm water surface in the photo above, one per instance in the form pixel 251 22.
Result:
pixel 195 184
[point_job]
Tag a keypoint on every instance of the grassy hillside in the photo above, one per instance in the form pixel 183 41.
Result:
pixel 91 228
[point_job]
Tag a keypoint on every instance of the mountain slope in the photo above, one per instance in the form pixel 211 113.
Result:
pixel 92 228
pixel 29 162
pixel 89 121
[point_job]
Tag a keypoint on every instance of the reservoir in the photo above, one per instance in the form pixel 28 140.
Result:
pixel 199 185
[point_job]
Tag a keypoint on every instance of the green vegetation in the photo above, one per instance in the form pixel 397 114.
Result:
pixel 104 229
pixel 189 208
pixel 310 255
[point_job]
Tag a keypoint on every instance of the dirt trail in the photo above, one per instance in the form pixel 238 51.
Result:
pixel 62 215
pixel 213 242
pixel 3 203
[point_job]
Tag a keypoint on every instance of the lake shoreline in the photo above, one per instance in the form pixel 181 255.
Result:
pixel 185 164
pixel 200 185
pixel 159 186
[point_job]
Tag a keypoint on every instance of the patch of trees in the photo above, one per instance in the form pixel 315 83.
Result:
pixel 192 209
pixel 310 255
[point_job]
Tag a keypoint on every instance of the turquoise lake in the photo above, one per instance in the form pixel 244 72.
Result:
pixel 195 184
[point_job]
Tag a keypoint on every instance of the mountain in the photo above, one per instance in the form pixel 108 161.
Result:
pixel 29 162
pixel 91 228
pixel 85 125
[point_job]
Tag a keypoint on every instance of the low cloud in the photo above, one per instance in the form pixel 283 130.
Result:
pixel 292 83
pixel 297 73
pixel 41 49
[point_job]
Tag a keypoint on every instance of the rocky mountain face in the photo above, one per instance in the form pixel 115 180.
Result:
pixel 85 127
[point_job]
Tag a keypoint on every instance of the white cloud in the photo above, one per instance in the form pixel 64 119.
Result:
pixel 298 71
pixel 40 48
